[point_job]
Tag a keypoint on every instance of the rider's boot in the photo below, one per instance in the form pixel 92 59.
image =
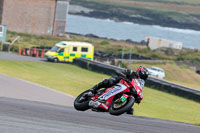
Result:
pixel 130 112
pixel 92 91
pixel 96 87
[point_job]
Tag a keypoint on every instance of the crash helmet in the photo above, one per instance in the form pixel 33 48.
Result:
pixel 142 73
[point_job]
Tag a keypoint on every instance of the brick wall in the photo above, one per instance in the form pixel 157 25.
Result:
pixel 1 9
pixel 29 16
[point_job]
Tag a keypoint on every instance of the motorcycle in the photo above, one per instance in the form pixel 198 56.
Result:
pixel 116 100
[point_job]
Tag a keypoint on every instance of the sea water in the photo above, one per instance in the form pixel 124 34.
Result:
pixel 127 30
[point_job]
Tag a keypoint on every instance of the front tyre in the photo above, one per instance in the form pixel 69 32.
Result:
pixel 81 106
pixel 55 60
pixel 118 109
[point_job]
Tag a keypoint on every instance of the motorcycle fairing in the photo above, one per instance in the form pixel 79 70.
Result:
pixel 111 92
pixel 136 84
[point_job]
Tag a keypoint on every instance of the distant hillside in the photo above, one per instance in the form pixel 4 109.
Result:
pixel 169 13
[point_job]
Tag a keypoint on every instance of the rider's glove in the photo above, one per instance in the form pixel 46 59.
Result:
pixel 125 74
pixel 138 99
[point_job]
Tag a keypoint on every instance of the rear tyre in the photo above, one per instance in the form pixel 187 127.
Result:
pixel 83 105
pixel 121 109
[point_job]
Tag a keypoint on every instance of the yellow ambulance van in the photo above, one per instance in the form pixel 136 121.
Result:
pixel 66 51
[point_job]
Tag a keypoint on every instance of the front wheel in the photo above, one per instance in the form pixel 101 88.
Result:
pixel 84 105
pixel 55 60
pixel 117 108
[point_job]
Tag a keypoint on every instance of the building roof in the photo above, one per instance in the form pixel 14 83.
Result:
pixel 164 39
pixel 74 43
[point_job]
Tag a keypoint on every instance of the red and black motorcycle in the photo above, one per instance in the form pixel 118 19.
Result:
pixel 116 100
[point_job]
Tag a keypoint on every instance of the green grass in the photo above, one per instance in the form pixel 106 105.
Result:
pixel 73 80
pixel 157 104
pixel 66 78
pixel 28 40
pixel 193 56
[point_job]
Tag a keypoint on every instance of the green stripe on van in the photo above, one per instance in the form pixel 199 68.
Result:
pixel 60 54
pixel 72 54
pixel 83 56
pixel 66 57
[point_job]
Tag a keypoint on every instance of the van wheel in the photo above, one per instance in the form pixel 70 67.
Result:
pixel 55 60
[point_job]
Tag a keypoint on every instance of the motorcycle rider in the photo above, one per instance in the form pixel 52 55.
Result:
pixel 141 75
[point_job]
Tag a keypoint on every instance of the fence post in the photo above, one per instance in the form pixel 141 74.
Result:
pixel 130 56
pixel 122 53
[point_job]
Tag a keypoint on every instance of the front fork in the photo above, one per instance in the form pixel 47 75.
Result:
pixel 124 98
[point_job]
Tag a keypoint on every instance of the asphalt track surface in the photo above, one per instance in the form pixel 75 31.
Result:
pixel 19 116
pixel 12 56
pixel 26 107
pixel 20 89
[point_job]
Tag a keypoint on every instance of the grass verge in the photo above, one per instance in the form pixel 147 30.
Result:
pixel 71 79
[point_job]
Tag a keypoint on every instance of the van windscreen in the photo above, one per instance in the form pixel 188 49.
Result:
pixel 62 43
pixel 55 49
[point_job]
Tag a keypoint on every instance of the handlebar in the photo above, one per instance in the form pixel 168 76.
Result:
pixel 123 76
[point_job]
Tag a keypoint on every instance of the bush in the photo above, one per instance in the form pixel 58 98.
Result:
pixel 180 59
pixel 104 42
pixel 0 46
pixel 14 49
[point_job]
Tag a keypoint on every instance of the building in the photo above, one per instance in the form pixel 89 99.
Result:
pixel 3 31
pixel 1 8
pixel 41 17
pixel 155 43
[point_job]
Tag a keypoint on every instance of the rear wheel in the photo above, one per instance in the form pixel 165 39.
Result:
pixel 118 108
pixel 83 105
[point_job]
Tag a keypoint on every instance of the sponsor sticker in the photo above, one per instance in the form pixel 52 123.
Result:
pixel 118 88
pixel 104 106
